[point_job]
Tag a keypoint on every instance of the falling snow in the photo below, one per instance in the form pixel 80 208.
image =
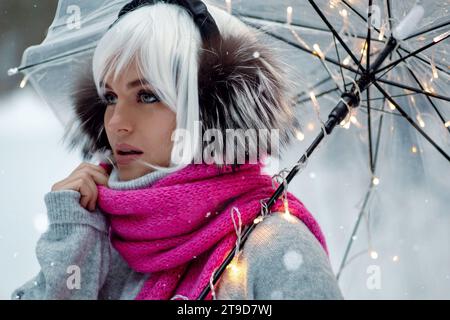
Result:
pixel 41 222
pixel 292 260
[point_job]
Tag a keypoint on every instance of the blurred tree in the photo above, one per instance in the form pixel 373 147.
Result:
pixel 22 23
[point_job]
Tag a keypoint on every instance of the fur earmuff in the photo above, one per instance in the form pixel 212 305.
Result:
pixel 242 85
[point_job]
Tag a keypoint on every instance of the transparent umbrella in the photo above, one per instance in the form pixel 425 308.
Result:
pixel 377 67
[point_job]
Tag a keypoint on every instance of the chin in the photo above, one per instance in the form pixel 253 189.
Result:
pixel 128 172
pixel 132 171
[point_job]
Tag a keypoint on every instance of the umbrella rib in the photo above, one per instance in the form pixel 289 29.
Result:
pixel 388 4
pixel 419 33
pixel 68 54
pixel 380 123
pixel 336 34
pixel 427 62
pixel 393 96
pixel 400 85
pixel 369 128
pixel 411 121
pixel 318 95
pixel 355 230
pixel 396 62
pixel 339 60
pixel 369 122
pixel 390 25
pixel 437 96
pixel 380 110
pixel 325 80
pixel 296 45
pixel 427 97
pixel 297 25
pixel 344 261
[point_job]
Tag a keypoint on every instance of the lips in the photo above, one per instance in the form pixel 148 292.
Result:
pixel 126 153
pixel 126 159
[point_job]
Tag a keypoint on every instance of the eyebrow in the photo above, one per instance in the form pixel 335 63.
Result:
pixel 132 84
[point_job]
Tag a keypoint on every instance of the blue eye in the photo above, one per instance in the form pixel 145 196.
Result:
pixel 109 98
pixel 147 97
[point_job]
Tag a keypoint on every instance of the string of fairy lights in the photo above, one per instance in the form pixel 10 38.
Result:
pixel 351 119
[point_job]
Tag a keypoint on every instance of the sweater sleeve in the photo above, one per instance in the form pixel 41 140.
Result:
pixel 282 260
pixel 74 253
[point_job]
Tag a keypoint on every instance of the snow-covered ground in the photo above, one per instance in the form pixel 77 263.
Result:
pixel 409 218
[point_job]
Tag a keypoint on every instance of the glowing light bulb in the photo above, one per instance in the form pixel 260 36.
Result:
pixel 258 220
pixel 391 105
pixel 420 120
pixel 447 124
pixel 300 136
pixel 13 71
pixel 435 73
pixel 375 181
pixel 395 258
pixel 314 101
pixel 374 254
pixel 381 35
pixel 345 124
pixel 364 49
pixel 228 3
pixel 23 83
pixel 310 126
pixel 441 36
pixel 286 207
pixel 343 13
pixel 414 149
pixel 234 269
pixel 317 51
pixel 346 61
pixel 289 15
pixel 287 215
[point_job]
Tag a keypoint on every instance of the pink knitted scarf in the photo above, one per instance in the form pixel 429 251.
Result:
pixel 180 229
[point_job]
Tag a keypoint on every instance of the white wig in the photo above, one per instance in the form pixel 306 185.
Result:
pixel 163 41
pixel 235 83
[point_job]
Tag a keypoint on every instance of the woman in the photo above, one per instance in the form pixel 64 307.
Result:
pixel 154 223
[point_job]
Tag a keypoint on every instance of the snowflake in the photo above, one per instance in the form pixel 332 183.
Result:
pixel 292 260
pixel 41 222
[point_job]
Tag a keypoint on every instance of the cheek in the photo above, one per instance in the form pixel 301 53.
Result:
pixel 107 116
pixel 159 127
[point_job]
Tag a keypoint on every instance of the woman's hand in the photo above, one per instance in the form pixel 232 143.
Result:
pixel 84 179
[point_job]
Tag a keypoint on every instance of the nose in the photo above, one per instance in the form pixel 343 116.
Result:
pixel 120 121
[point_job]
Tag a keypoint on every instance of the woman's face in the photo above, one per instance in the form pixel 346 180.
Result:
pixel 134 116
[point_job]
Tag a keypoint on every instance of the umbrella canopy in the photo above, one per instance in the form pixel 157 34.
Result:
pixel 397 138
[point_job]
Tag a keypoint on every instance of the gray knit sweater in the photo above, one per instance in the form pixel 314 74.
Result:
pixel 280 259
